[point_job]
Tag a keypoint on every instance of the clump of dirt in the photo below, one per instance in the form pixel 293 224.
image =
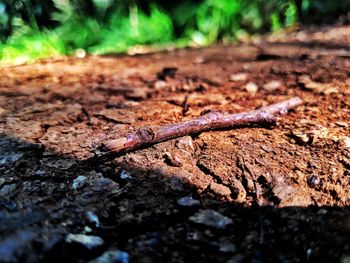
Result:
pixel 234 195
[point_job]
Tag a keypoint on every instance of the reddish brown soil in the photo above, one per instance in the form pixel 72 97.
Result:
pixel 285 188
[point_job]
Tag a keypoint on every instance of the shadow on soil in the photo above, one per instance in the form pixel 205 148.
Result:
pixel 44 196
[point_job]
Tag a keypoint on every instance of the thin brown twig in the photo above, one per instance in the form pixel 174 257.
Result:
pixel 210 121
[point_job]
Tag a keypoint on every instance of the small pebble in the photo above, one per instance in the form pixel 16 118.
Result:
pixel 272 85
pixel 41 173
pixel 8 190
pixel 112 256
pixel 160 84
pixel 172 160
pixel 187 201
pixel 228 248
pixel 185 144
pixel 199 60
pixel 79 182
pixel 346 141
pixel 322 212
pixel 251 88
pixel 89 242
pixel 87 229
pixel 92 218
pixel 313 181
pixel 300 137
pixel 239 77
pixel 211 218
pixel 318 132
pixel 10 158
pixel 309 253
pixel 124 175
pixel 80 53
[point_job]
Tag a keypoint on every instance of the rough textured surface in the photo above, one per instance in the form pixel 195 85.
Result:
pixel 283 191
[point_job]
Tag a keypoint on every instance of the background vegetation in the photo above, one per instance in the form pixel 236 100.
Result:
pixel 31 29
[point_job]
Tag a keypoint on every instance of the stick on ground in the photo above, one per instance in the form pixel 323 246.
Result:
pixel 210 121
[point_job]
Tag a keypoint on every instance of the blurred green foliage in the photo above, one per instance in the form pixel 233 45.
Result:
pixel 31 29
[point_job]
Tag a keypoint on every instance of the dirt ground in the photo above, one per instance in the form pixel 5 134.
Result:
pixel 250 194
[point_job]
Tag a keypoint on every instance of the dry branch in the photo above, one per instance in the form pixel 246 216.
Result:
pixel 210 121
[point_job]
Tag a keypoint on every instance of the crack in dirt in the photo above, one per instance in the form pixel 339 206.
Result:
pixel 207 171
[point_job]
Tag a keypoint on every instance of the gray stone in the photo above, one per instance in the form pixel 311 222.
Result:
pixel 89 242
pixel 79 182
pixel 9 159
pixel 124 175
pixel 87 230
pixel 211 218
pixel 41 173
pixel 185 144
pixel 112 256
pixel 93 218
pixel 228 248
pixel 187 201
pixel 8 190
pixel 272 85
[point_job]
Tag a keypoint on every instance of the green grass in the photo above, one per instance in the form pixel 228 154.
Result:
pixel 30 47
pixel 117 34
pixel 116 26
pixel 136 29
